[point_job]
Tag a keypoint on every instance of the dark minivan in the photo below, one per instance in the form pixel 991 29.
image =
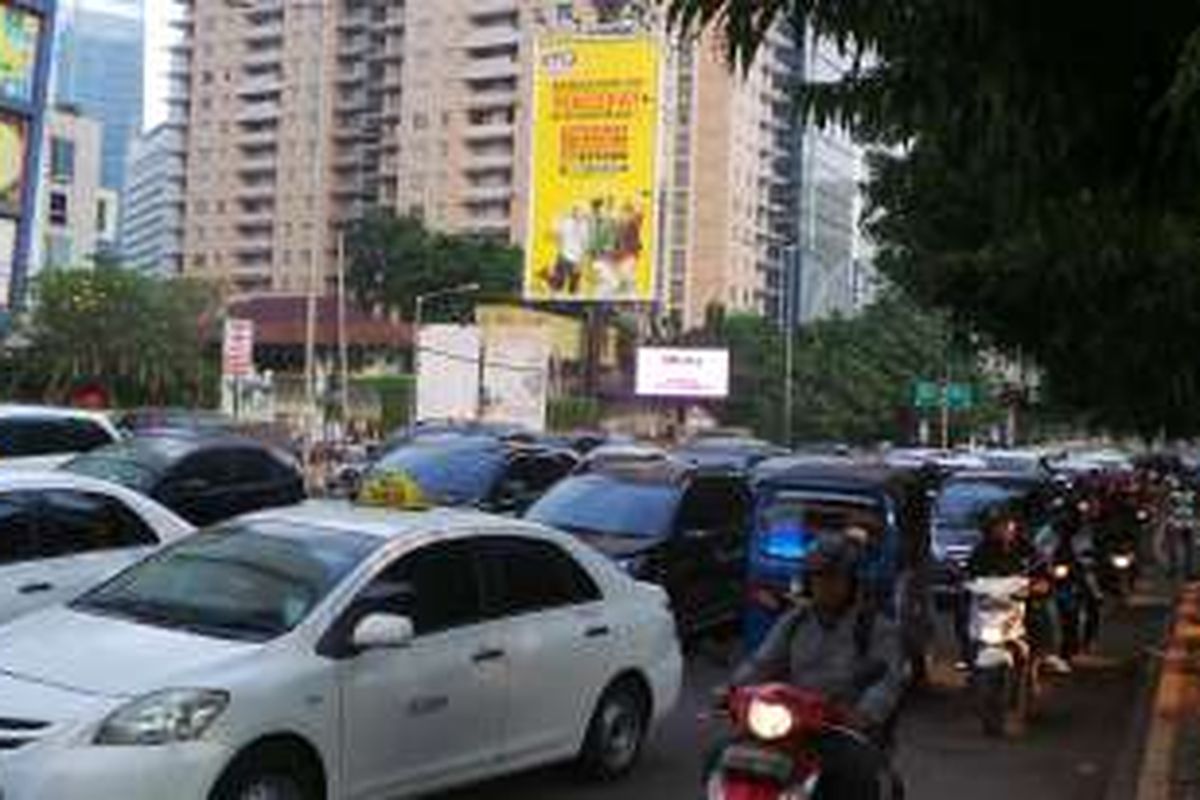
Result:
pixel 202 478
pixel 663 521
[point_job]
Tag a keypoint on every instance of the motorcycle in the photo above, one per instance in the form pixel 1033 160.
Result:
pixel 773 754
pixel 1003 673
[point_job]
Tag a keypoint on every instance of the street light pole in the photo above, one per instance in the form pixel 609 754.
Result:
pixel 789 351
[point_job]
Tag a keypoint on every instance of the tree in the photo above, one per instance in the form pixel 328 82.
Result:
pixel 1037 176
pixel 854 376
pixel 142 338
pixel 392 260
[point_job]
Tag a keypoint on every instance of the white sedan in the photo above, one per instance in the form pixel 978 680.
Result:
pixel 63 533
pixel 340 652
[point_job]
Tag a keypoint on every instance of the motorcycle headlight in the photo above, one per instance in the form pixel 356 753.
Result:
pixel 992 636
pixel 1061 571
pixel 769 721
pixel 174 715
pixel 1143 515
pixel 1122 561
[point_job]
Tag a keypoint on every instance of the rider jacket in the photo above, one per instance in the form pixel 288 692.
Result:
pixel 855 660
pixel 991 559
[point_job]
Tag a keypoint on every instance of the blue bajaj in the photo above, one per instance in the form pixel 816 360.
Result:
pixel 797 503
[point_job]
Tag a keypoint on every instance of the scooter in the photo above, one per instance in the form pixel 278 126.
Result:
pixel 772 755
pixel 1003 675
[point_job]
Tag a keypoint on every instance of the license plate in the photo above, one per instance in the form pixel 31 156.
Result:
pixel 758 762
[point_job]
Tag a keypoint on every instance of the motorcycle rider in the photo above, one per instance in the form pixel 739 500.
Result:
pixel 1005 551
pixel 1079 621
pixel 839 645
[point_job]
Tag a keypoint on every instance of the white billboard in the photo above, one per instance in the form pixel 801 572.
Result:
pixel 516 378
pixel 682 372
pixel 448 372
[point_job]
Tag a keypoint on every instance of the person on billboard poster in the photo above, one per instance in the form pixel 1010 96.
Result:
pixel 572 234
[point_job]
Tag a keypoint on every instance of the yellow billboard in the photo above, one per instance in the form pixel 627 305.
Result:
pixel 592 216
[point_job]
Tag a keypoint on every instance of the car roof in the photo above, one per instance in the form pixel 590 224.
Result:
pixel 831 473
pixel 997 476
pixel 15 410
pixel 16 480
pixel 160 449
pixel 392 524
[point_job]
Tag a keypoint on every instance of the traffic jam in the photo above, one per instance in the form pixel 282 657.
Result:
pixel 184 614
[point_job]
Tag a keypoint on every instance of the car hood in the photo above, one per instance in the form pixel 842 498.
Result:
pixel 69 650
pixel 618 546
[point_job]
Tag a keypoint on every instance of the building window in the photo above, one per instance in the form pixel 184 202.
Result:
pixel 198 260
pixel 102 216
pixel 62 159
pixel 58 208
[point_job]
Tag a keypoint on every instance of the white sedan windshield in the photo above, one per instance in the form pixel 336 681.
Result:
pixel 250 581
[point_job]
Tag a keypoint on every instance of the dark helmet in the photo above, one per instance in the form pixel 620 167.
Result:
pixel 841 554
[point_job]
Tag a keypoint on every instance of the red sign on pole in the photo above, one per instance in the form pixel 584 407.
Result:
pixel 238 351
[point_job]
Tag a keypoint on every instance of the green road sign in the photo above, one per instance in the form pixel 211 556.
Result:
pixel 928 394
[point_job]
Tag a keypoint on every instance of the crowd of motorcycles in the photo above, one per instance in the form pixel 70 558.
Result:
pixel 1084 543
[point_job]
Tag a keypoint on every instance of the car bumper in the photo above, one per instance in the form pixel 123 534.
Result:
pixel 182 772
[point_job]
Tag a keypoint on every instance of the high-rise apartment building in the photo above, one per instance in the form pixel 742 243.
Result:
pixel 98 66
pixel 730 200
pixel 285 106
pixel 77 220
pixel 152 203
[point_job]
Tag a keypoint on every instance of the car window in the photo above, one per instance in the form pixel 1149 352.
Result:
pixel 717 505
pixel 212 468
pixel 598 503
pixel 530 575
pixel 537 473
pixel 18 541
pixel 250 466
pixel 437 587
pixel 34 436
pixel 81 522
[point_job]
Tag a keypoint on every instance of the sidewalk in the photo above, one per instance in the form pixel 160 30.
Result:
pixel 1170 766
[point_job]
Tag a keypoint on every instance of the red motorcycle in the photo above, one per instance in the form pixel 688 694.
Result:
pixel 772 755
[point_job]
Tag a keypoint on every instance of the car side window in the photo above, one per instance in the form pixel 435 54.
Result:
pixel 18 535
pixel 437 587
pixel 717 505
pixel 250 466
pixel 80 435
pixel 202 471
pixel 72 522
pixel 529 575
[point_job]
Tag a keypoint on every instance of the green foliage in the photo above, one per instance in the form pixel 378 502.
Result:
pixel 143 339
pixel 853 376
pixel 392 260
pixel 1039 180
pixel 571 413
pixel 395 398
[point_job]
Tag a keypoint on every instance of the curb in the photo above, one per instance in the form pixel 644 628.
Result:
pixel 1123 780
pixel 1169 707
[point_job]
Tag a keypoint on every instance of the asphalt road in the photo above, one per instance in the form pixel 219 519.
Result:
pixel 1070 752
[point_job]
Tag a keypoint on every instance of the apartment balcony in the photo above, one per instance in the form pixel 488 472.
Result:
pixel 484 69
pixel 492 36
pixel 263 59
pixel 489 162
pixel 259 112
pixel 475 196
pixel 264 26
pixel 490 226
pixel 252 193
pixel 490 99
pixel 490 132
pixel 487 8
pixel 268 85
pixel 256 230
pixel 354 22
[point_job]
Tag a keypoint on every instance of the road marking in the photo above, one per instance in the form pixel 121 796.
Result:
pixel 1177 696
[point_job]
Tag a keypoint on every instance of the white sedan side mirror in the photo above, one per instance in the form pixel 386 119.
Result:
pixel 382 632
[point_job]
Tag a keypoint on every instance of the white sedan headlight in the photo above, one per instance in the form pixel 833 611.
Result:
pixel 769 721
pixel 174 715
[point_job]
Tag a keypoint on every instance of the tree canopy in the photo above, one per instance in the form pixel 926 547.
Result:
pixel 854 377
pixel 1036 176
pixel 394 259
pixel 144 339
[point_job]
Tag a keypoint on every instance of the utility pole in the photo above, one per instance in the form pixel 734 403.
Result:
pixel 343 345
